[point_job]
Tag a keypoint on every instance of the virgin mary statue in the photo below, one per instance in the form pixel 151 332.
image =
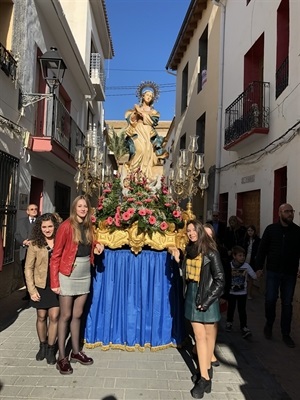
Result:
pixel 144 144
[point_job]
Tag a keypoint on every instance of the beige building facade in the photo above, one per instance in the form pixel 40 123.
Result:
pixel 39 131
pixel 195 58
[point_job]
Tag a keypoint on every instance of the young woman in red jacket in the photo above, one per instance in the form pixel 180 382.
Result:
pixel 70 277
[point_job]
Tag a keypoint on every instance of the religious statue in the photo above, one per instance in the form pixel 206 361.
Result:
pixel 145 145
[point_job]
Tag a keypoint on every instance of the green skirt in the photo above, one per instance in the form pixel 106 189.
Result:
pixel 211 315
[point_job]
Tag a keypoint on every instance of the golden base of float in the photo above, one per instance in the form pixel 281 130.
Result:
pixel 137 240
pixel 115 239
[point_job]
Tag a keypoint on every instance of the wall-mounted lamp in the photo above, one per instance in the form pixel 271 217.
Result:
pixel 53 71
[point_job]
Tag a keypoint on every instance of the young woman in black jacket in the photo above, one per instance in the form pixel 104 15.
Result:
pixel 203 275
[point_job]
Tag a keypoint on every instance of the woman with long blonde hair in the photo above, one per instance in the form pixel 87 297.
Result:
pixel 70 277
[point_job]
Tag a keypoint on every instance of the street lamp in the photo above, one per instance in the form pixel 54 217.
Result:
pixel 53 68
pixel 53 71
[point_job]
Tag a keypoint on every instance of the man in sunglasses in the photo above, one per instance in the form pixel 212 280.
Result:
pixel 280 246
pixel 22 236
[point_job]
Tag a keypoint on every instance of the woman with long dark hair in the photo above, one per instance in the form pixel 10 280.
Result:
pixel 204 279
pixel 38 283
pixel 70 275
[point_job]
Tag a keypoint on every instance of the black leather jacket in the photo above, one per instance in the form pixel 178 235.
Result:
pixel 212 280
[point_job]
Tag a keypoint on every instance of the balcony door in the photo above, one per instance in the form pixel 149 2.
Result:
pixel 254 72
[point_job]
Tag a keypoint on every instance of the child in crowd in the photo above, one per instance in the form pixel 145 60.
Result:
pixel 238 289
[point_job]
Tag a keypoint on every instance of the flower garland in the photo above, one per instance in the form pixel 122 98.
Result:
pixel 138 200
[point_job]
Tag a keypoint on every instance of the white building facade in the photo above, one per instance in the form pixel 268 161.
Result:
pixel 259 164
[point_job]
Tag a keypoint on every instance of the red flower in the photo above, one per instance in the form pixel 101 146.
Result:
pixel 143 212
pixel 149 212
pixel 130 199
pixel 177 213
pixel 147 200
pixel 165 190
pixel 152 220
pixel 117 221
pixel 109 220
pixel 163 226
pixel 131 211
pixel 100 207
pixel 93 219
pixel 126 216
pixel 168 204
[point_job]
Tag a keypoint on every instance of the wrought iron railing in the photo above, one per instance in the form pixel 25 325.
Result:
pixel 97 68
pixel 251 110
pixel 282 77
pixel 7 63
pixel 62 126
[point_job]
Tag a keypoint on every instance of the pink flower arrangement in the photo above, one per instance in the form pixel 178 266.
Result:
pixel 152 208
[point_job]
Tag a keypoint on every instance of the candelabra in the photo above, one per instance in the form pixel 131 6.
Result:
pixel 90 174
pixel 186 179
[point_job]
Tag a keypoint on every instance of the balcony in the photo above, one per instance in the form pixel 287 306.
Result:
pixel 7 63
pixel 97 75
pixel 248 116
pixel 61 135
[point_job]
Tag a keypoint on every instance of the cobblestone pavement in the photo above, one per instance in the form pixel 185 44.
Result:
pixel 254 369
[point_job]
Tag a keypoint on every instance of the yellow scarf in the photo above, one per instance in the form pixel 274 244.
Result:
pixel 193 268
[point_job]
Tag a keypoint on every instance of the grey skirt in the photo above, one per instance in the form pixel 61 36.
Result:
pixel 211 315
pixel 79 281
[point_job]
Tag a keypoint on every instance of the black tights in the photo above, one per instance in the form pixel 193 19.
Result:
pixel 46 324
pixel 71 309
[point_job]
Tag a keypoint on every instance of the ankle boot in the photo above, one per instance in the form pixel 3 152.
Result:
pixel 50 355
pixel 41 354
pixel 201 387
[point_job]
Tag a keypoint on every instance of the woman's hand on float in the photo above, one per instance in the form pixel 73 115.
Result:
pixel 99 247
pixel 175 253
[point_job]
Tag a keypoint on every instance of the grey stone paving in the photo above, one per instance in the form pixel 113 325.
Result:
pixel 121 375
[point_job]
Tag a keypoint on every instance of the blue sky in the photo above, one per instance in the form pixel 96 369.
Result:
pixel 143 34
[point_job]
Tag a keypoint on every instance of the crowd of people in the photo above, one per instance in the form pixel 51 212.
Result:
pixel 219 265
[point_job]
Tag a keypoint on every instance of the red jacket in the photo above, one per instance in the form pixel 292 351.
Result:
pixel 64 253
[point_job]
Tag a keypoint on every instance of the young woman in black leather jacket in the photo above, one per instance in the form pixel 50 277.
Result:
pixel 203 275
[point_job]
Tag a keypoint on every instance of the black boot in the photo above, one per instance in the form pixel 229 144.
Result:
pixel 50 355
pixel 196 377
pixel 201 387
pixel 41 354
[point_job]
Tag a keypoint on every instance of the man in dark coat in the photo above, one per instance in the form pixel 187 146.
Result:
pixel 22 236
pixel 280 246
pixel 219 226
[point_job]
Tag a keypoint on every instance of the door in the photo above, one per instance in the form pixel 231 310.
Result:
pixel 248 208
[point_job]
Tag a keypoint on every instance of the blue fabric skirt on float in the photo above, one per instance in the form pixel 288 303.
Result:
pixel 135 301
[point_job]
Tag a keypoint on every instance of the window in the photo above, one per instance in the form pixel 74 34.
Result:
pixel 282 50
pixel 280 190
pixel 203 44
pixel 183 142
pixel 8 202
pixel 184 90
pixel 62 198
pixel 200 133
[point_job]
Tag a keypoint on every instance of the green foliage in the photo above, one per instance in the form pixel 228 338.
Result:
pixel 116 143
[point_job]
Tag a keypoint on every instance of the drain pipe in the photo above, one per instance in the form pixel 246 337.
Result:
pixel 220 105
